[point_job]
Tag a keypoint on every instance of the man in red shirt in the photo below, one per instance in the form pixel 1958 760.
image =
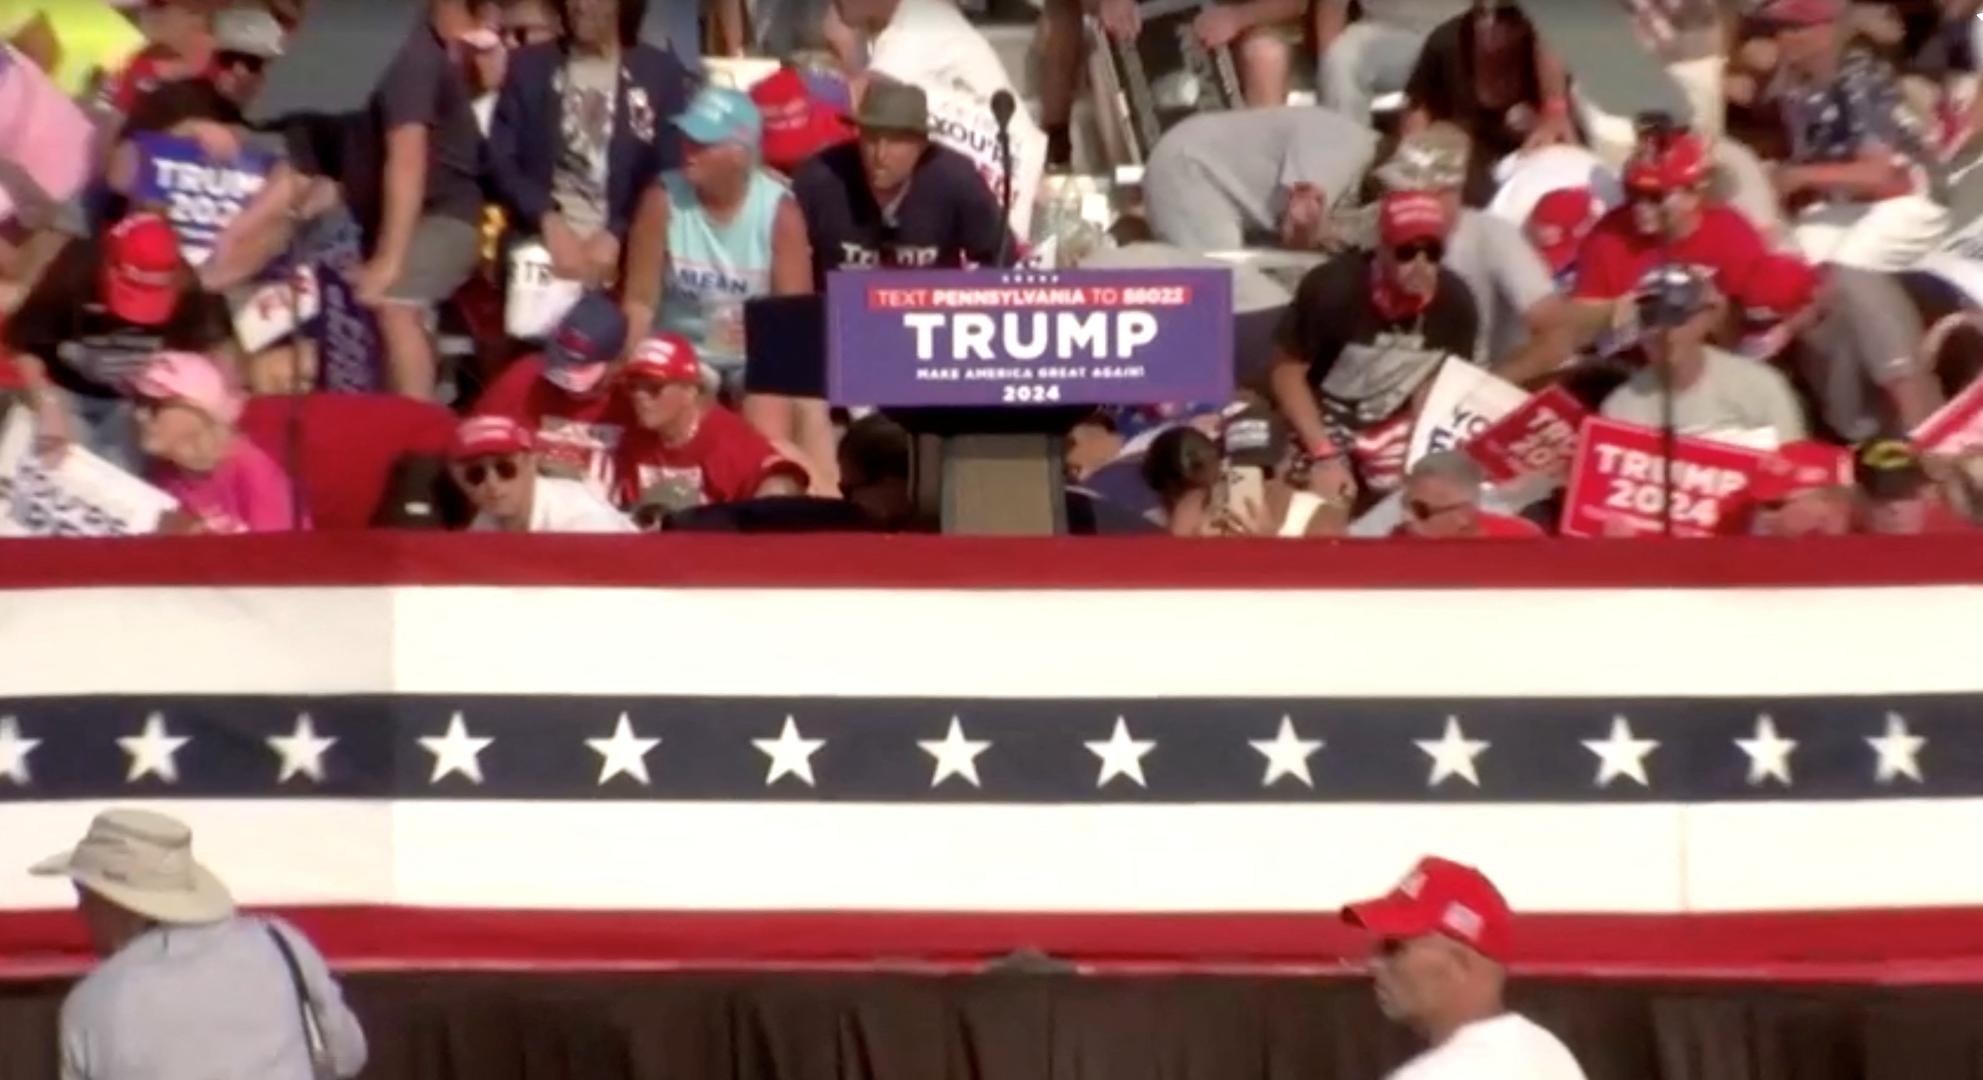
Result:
pixel 1667 217
pixel 567 396
pixel 1442 502
pixel 699 452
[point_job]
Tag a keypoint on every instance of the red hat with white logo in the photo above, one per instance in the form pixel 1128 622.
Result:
pixel 141 270
pixel 1559 222
pixel 1440 897
pixel 1406 216
pixel 667 357
pixel 1669 164
pixel 796 124
pixel 489 436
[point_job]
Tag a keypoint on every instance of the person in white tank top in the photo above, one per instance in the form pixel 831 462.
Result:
pixel 1438 964
pixel 719 232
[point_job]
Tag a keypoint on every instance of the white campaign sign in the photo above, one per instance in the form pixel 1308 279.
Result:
pixel 266 313
pixel 963 122
pixel 81 495
pixel 1465 399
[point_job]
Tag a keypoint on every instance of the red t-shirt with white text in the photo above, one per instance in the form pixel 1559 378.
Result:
pixel 726 460
pixel 578 434
pixel 1616 255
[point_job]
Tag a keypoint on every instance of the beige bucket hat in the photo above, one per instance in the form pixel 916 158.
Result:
pixel 143 862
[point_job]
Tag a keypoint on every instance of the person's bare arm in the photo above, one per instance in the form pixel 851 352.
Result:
pixel 263 229
pixel 732 33
pixel 647 259
pixel 1553 81
pixel 1331 17
pixel 1288 379
pixel 1873 175
pixel 1589 320
pixel 405 193
pixel 1547 347
pixel 791 251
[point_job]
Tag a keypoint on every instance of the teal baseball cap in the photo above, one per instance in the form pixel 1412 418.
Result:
pixel 719 115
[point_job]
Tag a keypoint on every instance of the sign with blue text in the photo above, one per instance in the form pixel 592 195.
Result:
pixel 200 196
pixel 973 338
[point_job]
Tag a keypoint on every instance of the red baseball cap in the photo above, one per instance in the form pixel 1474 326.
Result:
pixel 796 124
pixel 1798 467
pixel 1681 161
pixel 668 357
pixel 489 436
pixel 1800 12
pixel 1442 897
pixel 1405 216
pixel 141 270
pixel 1558 224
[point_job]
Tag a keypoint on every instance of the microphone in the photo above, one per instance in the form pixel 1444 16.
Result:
pixel 1002 108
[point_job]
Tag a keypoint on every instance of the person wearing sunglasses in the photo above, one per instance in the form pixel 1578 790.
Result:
pixel 1670 215
pixel 1438 961
pixel 493 459
pixel 682 437
pixel 1524 331
pixel 1442 502
pixel 186 414
pixel 1365 331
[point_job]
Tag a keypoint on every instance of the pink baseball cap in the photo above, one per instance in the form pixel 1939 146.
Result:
pixel 190 378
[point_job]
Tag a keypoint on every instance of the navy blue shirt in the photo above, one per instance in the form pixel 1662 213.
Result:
pixel 946 219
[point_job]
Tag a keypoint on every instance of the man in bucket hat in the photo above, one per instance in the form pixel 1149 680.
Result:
pixel 1439 965
pixel 189 988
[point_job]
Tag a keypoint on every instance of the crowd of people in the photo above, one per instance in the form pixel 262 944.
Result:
pixel 512 289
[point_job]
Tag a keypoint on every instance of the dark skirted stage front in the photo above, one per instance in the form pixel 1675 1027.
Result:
pixel 788 1026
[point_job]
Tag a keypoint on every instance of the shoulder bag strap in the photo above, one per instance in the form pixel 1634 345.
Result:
pixel 313 1034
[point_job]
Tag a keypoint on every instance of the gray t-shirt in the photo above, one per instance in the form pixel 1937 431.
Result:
pixel 1217 178
pixel 1418 16
pixel 589 89
pixel 1506 276
pixel 1733 392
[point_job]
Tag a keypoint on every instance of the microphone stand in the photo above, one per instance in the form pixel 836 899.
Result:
pixel 1002 108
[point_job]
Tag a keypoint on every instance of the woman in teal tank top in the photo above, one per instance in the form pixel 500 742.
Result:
pixel 717 232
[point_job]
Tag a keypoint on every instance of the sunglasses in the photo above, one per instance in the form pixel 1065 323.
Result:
pixel 1431 250
pixel 478 473
pixel 238 61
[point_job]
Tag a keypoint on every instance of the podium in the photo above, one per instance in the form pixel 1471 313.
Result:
pixel 990 369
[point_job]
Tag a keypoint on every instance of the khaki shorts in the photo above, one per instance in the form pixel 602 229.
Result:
pixel 441 258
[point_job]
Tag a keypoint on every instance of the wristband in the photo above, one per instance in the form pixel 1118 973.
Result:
pixel 1323 450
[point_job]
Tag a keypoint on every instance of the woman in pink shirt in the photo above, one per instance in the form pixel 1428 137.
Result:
pixel 224 483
